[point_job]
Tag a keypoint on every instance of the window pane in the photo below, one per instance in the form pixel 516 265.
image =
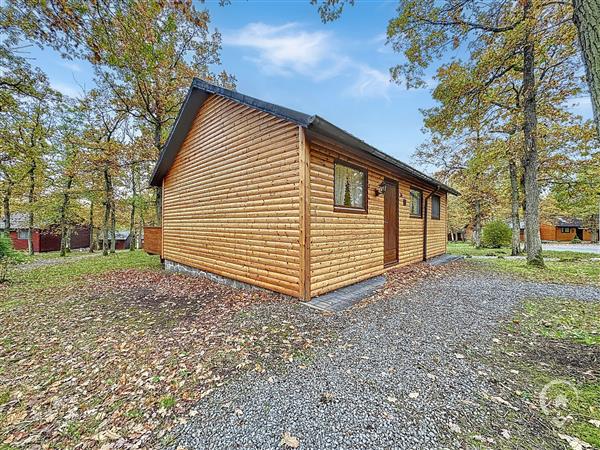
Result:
pixel 415 202
pixel 349 187
pixel 435 207
pixel 22 234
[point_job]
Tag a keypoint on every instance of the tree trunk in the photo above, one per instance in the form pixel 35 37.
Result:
pixel 530 155
pixel 107 204
pixel 30 199
pixel 477 225
pixel 132 239
pixel 113 228
pixel 586 15
pixel 92 241
pixel 63 216
pixel 69 232
pixel 514 203
pixel 6 205
pixel 159 193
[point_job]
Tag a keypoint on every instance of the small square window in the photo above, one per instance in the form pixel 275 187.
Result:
pixel 435 207
pixel 565 230
pixel 350 187
pixel 23 234
pixel 416 202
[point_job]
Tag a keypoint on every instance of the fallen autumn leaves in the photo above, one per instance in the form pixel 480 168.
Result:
pixel 118 360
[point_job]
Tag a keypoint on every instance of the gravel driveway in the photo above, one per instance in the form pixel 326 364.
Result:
pixel 401 375
pixel 585 248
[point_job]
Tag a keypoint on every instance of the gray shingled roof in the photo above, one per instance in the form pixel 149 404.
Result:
pixel 199 92
pixel 17 221
pixel 568 222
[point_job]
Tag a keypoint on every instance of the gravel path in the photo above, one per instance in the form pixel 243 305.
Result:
pixel 399 376
pixel 586 248
pixel 42 262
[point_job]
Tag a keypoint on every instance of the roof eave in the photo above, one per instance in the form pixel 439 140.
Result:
pixel 326 128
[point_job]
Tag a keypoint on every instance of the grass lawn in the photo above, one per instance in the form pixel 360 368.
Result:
pixel 555 346
pixel 106 351
pixel 572 267
pixel 577 271
pixel 24 258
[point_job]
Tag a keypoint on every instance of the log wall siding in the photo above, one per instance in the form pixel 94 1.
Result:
pixel 437 231
pixel 348 247
pixel 231 201
pixel 153 240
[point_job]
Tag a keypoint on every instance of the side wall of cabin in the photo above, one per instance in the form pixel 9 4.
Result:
pixel 561 235
pixel 231 200
pixel 547 232
pixel 22 244
pixel 349 247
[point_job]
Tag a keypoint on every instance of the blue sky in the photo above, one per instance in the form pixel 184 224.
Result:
pixel 281 52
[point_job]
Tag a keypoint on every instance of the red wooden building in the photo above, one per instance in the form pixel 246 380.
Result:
pixel 44 239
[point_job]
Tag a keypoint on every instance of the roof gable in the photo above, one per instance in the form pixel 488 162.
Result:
pixel 199 92
pixel 570 222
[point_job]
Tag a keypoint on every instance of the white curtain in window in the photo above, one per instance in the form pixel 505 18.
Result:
pixel 349 186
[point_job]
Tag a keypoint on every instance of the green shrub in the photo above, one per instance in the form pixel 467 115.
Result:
pixel 8 255
pixel 575 240
pixel 496 234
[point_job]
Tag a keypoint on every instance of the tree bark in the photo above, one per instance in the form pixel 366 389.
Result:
pixel 92 241
pixel 477 225
pixel 132 239
pixel 530 155
pixel 514 203
pixel 107 204
pixel 113 228
pixel 63 216
pixel 159 193
pixel 30 199
pixel 586 15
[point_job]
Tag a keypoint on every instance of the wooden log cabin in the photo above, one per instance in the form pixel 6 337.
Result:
pixel 287 201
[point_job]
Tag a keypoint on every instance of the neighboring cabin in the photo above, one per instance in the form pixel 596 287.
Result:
pixel 122 240
pixel 44 239
pixel 558 229
pixel 287 201
pixel 565 229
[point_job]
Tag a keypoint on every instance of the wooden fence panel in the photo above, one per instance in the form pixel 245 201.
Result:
pixel 153 240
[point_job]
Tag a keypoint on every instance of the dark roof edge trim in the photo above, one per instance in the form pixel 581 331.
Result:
pixel 326 128
pixel 199 91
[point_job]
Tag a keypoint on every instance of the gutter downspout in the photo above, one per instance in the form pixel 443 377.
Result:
pixel 425 216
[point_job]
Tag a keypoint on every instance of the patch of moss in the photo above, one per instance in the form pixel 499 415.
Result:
pixel 577 321
pixel 571 399
pixel 167 402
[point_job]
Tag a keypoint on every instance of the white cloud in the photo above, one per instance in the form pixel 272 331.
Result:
pixel 72 66
pixel 70 90
pixel 372 83
pixel 287 50
pixel 380 40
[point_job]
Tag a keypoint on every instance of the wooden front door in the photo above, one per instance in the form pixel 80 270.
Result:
pixel 390 223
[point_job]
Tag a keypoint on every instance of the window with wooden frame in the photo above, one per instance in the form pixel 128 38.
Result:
pixel 435 207
pixel 23 234
pixel 416 202
pixel 350 187
pixel 566 230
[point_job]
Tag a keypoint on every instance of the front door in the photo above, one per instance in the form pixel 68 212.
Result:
pixel 390 223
